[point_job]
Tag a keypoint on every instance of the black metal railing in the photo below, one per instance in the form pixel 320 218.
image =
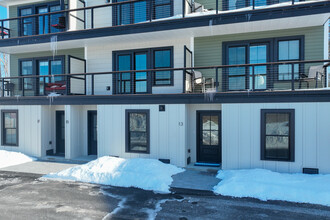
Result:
pixel 123 13
pixel 275 76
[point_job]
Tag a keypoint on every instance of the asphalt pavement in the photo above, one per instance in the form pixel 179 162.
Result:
pixel 24 196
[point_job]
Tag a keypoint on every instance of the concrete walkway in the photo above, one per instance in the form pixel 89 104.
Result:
pixel 197 178
pixel 39 167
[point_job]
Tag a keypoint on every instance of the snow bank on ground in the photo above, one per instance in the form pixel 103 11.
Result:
pixel 9 158
pixel 268 185
pixel 146 174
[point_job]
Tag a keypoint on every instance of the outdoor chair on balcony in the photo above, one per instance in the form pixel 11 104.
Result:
pixel 315 74
pixel 58 87
pixel 199 80
pixel 60 24
pixel 9 89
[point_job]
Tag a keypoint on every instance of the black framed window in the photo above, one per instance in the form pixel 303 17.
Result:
pixel 27 24
pixel 48 67
pixel 288 50
pixel 42 24
pixel 162 9
pixel 142 59
pixel 277 134
pixel 254 77
pixel 9 127
pixel 27 70
pixel 137 131
pixel 136 12
pixel 162 59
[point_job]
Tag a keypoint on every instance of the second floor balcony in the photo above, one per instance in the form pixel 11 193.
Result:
pixel 298 76
pixel 54 17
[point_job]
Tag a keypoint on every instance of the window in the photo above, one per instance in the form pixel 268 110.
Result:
pixel 162 59
pixel 27 70
pixel 27 23
pixel 254 77
pixel 162 9
pixel 136 12
pixel 137 131
pixel 9 127
pixel 288 50
pixel 142 59
pixel 41 24
pixel 277 134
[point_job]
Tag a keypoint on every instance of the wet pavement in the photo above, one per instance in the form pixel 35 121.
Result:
pixel 25 196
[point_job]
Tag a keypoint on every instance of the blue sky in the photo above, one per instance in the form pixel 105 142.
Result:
pixel 3 12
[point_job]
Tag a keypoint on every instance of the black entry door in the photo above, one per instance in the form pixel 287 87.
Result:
pixel 209 137
pixel 92 133
pixel 60 133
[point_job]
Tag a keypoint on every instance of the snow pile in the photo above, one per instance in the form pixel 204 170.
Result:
pixel 8 158
pixel 267 185
pixel 146 174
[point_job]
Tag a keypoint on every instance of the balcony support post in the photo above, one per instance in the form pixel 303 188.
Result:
pixel 92 84
pixel 23 89
pixel 2 34
pixel 3 88
pixel 217 7
pixel 217 79
pixel 92 18
pixel 183 8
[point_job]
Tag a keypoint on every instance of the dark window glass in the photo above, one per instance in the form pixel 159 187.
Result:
pixel 54 18
pixel 258 74
pixel 137 131
pixel 50 68
pixel 162 59
pixel 140 12
pixel 43 21
pixel 27 70
pixel 124 84
pixel 278 137
pixel 162 9
pixel 10 128
pixel 141 77
pixel 27 23
pixel 288 50
pixel 237 75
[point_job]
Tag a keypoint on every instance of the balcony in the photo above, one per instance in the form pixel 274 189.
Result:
pixel 208 81
pixel 56 19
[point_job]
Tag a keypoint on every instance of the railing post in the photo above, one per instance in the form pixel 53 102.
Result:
pixel 3 88
pixel 292 2
pixel 183 8
pixel 92 18
pixel 253 4
pixel 217 79
pixel 23 89
pixel 326 77
pixel 150 9
pixel 2 34
pixel 217 6
pixel 92 84
pixel 292 77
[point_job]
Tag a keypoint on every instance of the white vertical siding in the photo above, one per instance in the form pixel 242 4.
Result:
pixel 100 60
pixel 29 128
pixel 74 23
pixel 167 137
pixel 241 137
pixel 192 126
pixel 48 127
pixel 76 134
pixel 102 16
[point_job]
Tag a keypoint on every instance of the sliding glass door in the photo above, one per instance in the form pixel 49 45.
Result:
pixel 243 78
pixel 50 82
pixel 136 82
